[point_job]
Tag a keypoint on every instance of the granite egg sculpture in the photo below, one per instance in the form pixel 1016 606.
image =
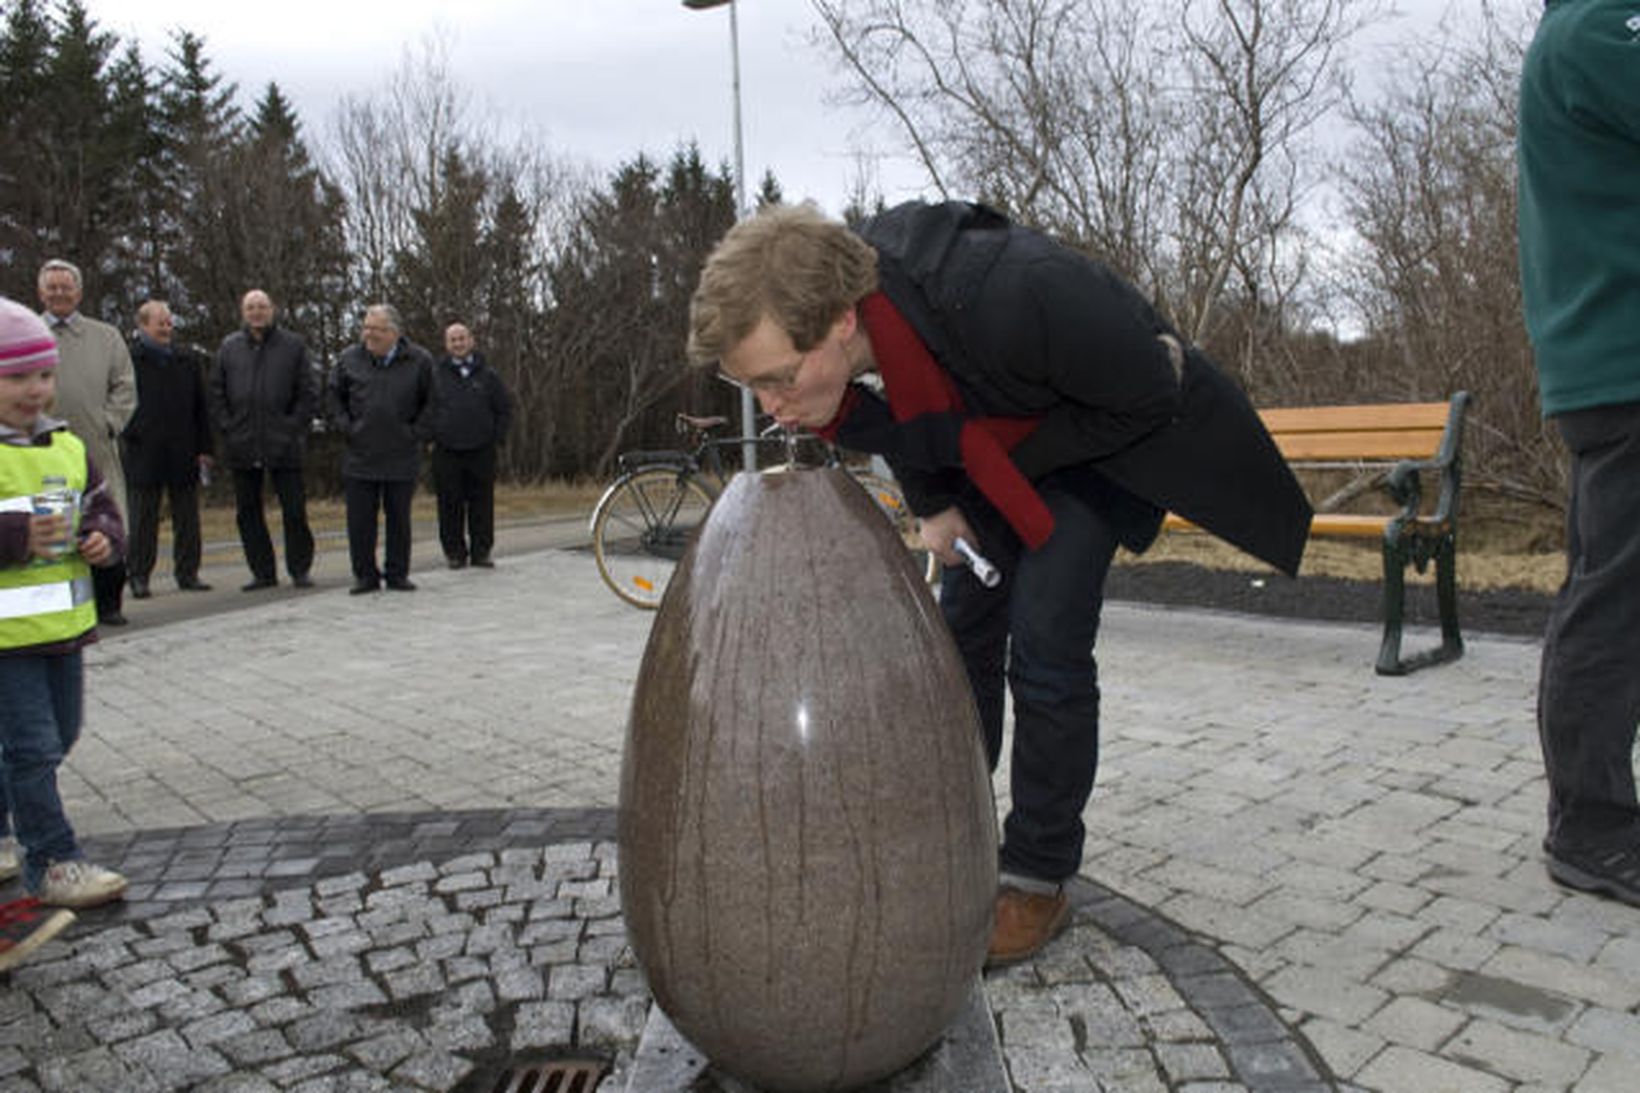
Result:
pixel 807 833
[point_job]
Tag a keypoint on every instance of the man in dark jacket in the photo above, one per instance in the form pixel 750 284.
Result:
pixel 263 395
pixel 167 444
pixel 1034 407
pixel 470 417
pixel 381 399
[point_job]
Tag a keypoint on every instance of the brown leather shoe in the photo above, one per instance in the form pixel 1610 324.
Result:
pixel 1025 922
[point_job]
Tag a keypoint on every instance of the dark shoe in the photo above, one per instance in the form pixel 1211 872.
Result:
pixel 113 618
pixel 483 562
pixel 456 562
pixel 302 580
pixel 189 584
pixel 1025 922
pixel 139 588
pixel 1613 872
pixel 363 585
pixel 260 583
pixel 401 584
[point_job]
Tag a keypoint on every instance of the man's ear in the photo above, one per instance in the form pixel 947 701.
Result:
pixel 846 324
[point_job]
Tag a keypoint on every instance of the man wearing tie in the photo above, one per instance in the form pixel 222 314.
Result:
pixel 470 417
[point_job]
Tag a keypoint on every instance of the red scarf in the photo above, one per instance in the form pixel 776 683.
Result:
pixel 916 385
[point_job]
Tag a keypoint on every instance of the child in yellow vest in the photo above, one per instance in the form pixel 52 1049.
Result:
pixel 47 612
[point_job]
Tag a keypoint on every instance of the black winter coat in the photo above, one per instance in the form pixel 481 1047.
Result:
pixel 263 396
pixel 1029 328
pixel 384 411
pixel 470 413
pixel 164 439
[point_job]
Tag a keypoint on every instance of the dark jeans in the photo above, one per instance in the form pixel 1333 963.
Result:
pixel 1037 630
pixel 39 722
pixel 466 501
pixel 1589 690
pixel 253 525
pixel 144 531
pixel 364 497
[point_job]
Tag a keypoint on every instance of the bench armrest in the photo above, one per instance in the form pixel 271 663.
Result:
pixel 1404 481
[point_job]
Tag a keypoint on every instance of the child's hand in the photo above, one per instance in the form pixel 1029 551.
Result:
pixel 96 549
pixel 46 535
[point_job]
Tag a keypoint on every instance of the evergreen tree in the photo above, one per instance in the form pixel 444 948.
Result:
pixel 286 224
pixel 63 169
pixel 25 58
pixel 198 126
pixel 509 316
pixel 438 276
pixel 620 290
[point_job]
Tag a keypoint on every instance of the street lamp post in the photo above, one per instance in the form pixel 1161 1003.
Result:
pixel 748 405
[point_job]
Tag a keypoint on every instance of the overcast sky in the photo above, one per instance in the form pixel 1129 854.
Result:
pixel 598 80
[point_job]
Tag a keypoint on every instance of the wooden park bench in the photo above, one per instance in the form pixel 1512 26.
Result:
pixel 1392 445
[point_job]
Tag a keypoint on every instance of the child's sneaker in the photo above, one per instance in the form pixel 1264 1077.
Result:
pixel 11 857
pixel 25 926
pixel 80 884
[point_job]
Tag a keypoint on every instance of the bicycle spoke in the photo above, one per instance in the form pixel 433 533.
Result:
pixel 641 529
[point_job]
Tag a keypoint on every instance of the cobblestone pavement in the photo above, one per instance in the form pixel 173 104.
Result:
pixel 370 843
pixel 244 962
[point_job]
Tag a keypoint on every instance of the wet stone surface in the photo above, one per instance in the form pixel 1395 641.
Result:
pixel 435 970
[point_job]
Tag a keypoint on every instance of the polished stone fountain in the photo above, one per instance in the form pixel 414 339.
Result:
pixel 807 835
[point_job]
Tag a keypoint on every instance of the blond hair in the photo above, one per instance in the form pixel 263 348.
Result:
pixel 789 263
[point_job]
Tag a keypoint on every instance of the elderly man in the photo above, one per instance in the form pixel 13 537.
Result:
pixel 167 442
pixel 96 395
pixel 263 395
pixel 381 399
pixel 472 410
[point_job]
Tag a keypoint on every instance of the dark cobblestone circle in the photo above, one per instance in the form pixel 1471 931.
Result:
pixel 243 963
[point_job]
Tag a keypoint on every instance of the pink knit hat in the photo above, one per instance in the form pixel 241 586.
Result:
pixel 25 343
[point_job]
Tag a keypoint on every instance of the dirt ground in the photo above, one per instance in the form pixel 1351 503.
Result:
pixel 1509 566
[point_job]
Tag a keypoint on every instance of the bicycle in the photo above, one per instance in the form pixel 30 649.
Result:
pixel 648 515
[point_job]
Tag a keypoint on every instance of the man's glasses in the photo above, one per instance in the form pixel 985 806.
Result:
pixel 780 381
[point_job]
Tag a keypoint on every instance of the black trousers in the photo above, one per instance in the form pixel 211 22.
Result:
pixel 143 547
pixel 466 501
pixel 253 526
pixel 1589 690
pixel 364 496
pixel 1035 632
pixel 108 588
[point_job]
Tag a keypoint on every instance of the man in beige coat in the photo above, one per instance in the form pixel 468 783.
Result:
pixel 96 395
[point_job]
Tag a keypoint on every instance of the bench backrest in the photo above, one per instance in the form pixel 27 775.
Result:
pixel 1381 431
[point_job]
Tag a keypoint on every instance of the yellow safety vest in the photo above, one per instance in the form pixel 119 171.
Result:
pixel 42 601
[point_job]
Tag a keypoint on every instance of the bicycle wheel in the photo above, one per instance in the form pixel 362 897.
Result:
pixel 642 526
pixel 891 503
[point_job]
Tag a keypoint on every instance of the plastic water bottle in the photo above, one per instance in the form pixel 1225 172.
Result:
pixel 56 499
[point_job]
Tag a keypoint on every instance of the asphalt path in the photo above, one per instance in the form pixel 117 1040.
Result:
pixel 223 568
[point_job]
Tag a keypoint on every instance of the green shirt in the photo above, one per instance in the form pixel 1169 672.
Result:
pixel 1579 149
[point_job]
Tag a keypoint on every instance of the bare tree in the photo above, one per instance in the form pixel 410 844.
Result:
pixel 1430 192
pixel 1168 141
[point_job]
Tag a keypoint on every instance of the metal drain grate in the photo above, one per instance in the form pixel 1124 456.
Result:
pixel 558 1076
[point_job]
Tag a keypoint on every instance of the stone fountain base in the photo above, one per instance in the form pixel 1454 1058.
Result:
pixel 967 1059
